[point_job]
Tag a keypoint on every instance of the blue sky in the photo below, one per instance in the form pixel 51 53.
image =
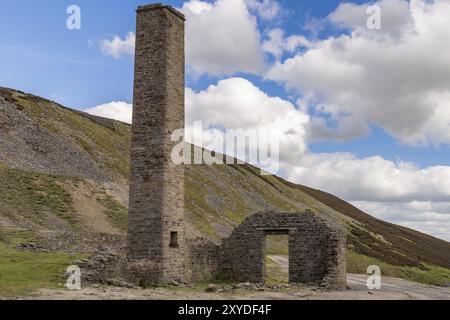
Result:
pixel 38 54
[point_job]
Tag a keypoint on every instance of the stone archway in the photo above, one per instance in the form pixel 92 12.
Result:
pixel 316 248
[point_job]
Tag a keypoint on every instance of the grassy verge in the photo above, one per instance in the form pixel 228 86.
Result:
pixel 22 273
pixel 277 245
pixel 430 274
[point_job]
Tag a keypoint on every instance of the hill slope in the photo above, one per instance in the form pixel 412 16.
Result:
pixel 64 177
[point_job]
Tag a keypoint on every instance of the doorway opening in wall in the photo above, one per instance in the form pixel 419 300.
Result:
pixel 277 257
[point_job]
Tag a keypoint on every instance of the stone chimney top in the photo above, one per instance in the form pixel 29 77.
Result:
pixel 156 6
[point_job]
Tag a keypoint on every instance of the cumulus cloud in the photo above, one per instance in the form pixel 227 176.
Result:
pixel 277 43
pixel 117 110
pixel 425 216
pixel 236 103
pixel 215 43
pixel 397 78
pixel 398 192
pixel 266 9
pixel 373 178
pixel 118 47
pixel 222 38
pixel 395 16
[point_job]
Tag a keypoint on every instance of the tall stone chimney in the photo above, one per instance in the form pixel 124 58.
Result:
pixel 156 213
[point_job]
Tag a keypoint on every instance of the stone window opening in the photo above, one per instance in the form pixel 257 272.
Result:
pixel 173 239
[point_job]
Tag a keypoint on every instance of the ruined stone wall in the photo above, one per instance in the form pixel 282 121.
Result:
pixel 316 248
pixel 156 212
pixel 204 259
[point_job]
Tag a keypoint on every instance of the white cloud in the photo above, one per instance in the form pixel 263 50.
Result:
pixel 236 103
pixel 425 216
pixel 373 178
pixel 395 16
pixel 277 43
pixel 222 38
pixel 266 9
pixel 347 129
pixel 397 192
pixel 397 82
pixel 118 47
pixel 216 44
pixel 117 110
pixel 197 7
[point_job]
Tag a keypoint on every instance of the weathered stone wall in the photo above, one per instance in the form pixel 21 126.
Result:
pixel 316 248
pixel 156 213
pixel 204 259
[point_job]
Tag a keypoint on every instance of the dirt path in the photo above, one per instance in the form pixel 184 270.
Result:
pixel 392 289
pixel 389 286
pixel 283 261
pixel 393 285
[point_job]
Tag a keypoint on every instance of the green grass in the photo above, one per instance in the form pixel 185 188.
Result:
pixel 115 211
pixel 277 245
pixel 14 236
pixel 22 273
pixel 36 196
pixel 429 274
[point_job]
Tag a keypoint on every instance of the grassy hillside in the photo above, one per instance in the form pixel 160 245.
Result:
pixel 63 182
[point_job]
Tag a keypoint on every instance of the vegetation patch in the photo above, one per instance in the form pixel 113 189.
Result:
pixel 117 213
pixel 428 274
pixel 35 196
pixel 14 236
pixel 277 245
pixel 22 273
